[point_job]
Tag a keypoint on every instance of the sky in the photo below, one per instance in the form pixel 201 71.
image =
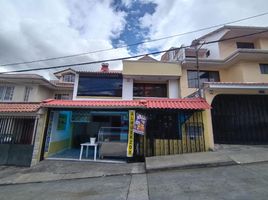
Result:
pixel 33 30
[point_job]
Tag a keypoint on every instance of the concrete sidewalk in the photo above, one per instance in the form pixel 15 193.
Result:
pixel 223 155
pixel 52 170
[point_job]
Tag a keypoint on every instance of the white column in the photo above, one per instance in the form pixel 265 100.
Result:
pixel 173 89
pixel 127 91
pixel 75 86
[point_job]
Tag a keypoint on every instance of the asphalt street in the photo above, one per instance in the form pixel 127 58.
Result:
pixel 229 182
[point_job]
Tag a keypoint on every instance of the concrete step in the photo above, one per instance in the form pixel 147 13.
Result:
pixel 186 161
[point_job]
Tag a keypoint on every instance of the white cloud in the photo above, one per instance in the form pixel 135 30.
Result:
pixel 180 16
pixel 31 30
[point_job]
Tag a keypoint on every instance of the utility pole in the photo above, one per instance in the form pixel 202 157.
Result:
pixel 195 43
pixel 198 71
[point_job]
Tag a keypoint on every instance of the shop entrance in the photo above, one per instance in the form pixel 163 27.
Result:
pixel 67 130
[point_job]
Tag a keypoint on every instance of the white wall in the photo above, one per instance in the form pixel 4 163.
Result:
pixel 34 96
pixel 43 93
pixel 214 47
pixel 75 86
pixel 173 89
pixel 127 92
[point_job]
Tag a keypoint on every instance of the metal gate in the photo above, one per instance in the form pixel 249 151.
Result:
pixel 171 132
pixel 240 119
pixel 16 140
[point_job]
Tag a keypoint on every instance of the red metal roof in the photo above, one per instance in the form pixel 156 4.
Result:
pixel 19 107
pixel 195 103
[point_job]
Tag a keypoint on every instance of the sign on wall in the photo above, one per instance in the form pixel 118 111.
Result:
pixel 140 124
pixel 130 145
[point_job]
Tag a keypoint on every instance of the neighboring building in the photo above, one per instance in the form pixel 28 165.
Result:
pixel 234 80
pixel 103 107
pixel 64 84
pixel 21 116
pixel 33 88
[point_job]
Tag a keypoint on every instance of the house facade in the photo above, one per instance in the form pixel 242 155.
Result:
pixel 106 103
pixel 21 115
pixel 233 80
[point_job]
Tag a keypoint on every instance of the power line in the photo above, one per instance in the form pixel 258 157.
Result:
pixel 134 44
pixel 130 57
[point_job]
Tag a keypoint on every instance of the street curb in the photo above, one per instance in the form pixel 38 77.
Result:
pixel 193 166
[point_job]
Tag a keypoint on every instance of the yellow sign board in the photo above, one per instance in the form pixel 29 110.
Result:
pixel 130 145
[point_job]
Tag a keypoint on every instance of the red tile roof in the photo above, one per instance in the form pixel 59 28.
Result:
pixel 196 103
pixel 91 103
pixel 193 103
pixel 238 83
pixel 19 107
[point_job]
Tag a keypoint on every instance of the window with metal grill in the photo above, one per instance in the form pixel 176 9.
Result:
pixel 68 78
pixel 27 93
pixel 6 93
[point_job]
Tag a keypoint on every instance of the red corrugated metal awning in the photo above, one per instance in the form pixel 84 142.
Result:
pixel 194 103
pixel 19 107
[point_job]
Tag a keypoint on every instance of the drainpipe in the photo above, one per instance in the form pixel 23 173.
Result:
pixel 197 67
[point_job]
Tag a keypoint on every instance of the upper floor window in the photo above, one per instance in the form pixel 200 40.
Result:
pixel 245 45
pixel 149 90
pixel 68 78
pixel 100 85
pixel 6 93
pixel 62 96
pixel 205 76
pixel 27 93
pixel 264 68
